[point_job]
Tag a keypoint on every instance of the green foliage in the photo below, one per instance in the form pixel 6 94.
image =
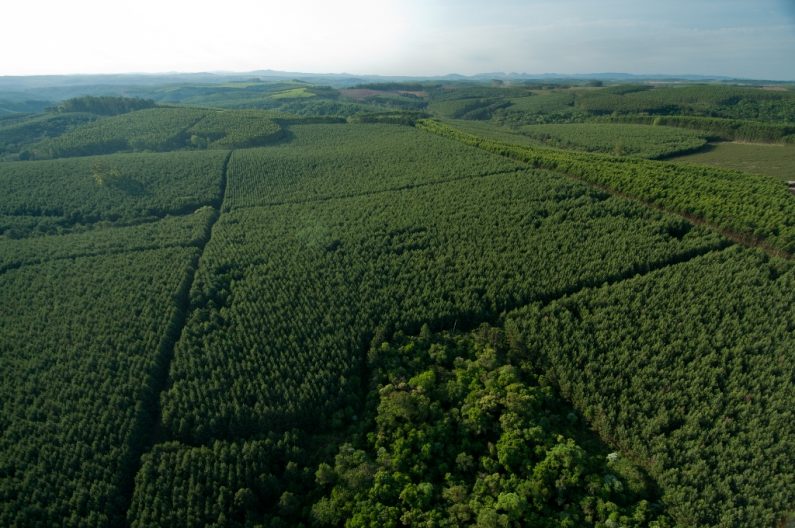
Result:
pixel 121 188
pixel 223 484
pixel 293 93
pixel 389 95
pixel 777 161
pixel 324 161
pixel 81 339
pixel 157 129
pixel 468 108
pixel 326 108
pixel 17 135
pixel 283 296
pixel 478 91
pixel 13 105
pixel 623 89
pixel 235 129
pixel 472 438
pixel 224 95
pixel 547 106
pixel 728 112
pixel 398 86
pixel 624 140
pixel 286 295
pixel 184 231
pixel 719 128
pixel 734 102
pixel 492 130
pixel 393 118
pixel 104 105
pixel 752 207
pixel 543 102
pixel 707 408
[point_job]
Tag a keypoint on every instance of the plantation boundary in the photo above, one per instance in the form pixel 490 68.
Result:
pixel 552 160
pixel 148 421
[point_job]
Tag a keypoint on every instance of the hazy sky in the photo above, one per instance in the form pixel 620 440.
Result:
pixel 747 38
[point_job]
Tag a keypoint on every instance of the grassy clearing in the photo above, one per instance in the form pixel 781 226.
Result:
pixel 295 93
pixel 543 101
pixel 777 161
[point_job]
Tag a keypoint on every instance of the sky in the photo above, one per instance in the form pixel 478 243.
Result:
pixel 739 38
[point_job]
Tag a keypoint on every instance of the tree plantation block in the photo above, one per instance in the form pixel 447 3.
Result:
pixel 338 301
pixel 286 295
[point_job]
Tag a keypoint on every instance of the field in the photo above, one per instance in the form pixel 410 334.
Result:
pixel 777 161
pixel 329 161
pixel 120 189
pixel 393 246
pixel 434 303
pixel 754 209
pixel 623 140
pixel 292 94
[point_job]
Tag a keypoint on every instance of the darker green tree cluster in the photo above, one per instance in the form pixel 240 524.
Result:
pixel 263 482
pixel 15 137
pixel 104 105
pixel 461 436
pixel 718 128
pixel 733 102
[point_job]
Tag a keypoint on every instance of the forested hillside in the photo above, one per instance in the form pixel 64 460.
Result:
pixel 436 303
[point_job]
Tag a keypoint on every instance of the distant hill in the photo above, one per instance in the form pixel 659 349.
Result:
pixel 37 82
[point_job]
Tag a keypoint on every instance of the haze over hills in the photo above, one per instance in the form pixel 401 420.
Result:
pixel 272 299
pixel 27 82
pixel 34 93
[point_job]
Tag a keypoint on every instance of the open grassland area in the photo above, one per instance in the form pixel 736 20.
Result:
pixel 777 161
pixel 286 304
pixel 293 93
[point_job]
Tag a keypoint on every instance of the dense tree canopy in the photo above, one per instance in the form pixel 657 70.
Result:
pixel 104 105
pixel 215 334
pixel 708 409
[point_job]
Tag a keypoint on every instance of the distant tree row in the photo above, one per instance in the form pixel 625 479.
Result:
pixel 718 128
pixel 104 105
pixel 457 435
pixel 709 100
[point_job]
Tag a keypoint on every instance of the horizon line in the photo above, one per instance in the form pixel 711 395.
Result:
pixel 479 75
